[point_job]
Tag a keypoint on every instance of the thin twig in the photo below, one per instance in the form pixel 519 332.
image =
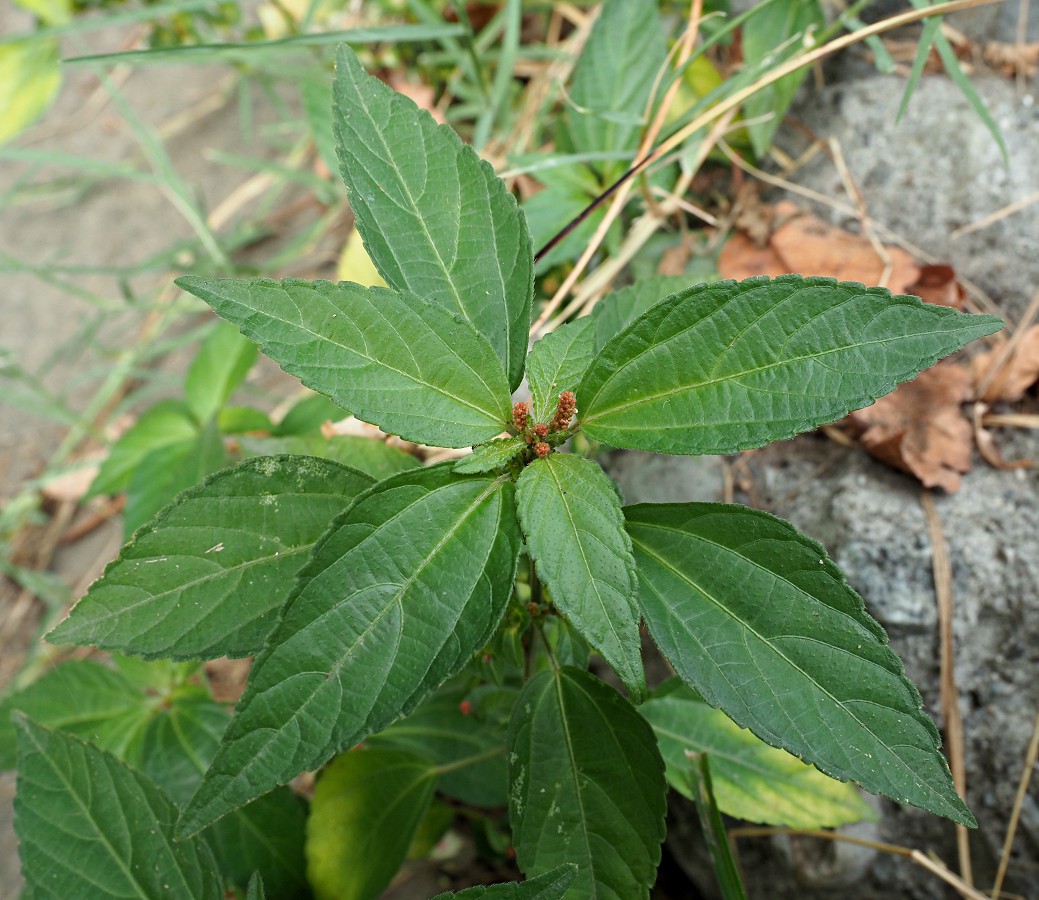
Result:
pixel 732 102
pixel 1015 814
pixel 921 859
pixel 1009 347
pixel 942 569
pixel 862 212
pixel 996 216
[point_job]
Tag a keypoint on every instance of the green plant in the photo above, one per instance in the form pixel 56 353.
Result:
pixel 395 612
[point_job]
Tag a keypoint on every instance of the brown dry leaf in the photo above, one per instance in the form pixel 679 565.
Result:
pixel 807 245
pixel 1017 372
pixel 227 678
pixel 674 259
pixel 423 95
pixel 1012 59
pixel 921 428
pixel 938 285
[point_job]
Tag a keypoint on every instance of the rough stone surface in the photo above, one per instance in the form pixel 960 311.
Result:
pixel 937 170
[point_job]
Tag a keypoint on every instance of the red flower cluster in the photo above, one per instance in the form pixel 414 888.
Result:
pixel 564 411
pixel 520 413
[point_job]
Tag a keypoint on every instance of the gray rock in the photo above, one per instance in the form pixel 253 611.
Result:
pixel 937 170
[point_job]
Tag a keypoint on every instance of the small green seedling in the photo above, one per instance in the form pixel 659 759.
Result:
pixel 377 609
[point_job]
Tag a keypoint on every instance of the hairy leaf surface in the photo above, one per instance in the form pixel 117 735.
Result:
pixel 557 363
pixel 616 311
pixel 571 516
pixel 398 361
pixel 754 616
pixel 207 577
pixel 752 780
pixel 723 367
pixel 491 456
pixel 439 730
pixel 90 826
pixel 550 886
pixel 403 589
pixel 264 836
pixel 434 217
pixel 586 786
pixel 81 697
pixel 375 458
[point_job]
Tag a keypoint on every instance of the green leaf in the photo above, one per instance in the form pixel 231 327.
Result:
pixel 728 366
pixel 399 594
pixel 308 415
pixel 572 520
pixel 29 80
pixel 586 786
pixel 89 826
pixel 932 37
pixel 316 94
pixel 435 219
pixel 167 422
pixel 727 873
pixel 266 836
pixel 727 590
pixel 440 731
pixel 618 310
pixel 235 420
pixel 376 459
pixel 614 77
pixel 83 698
pixel 794 24
pixel 256 890
pixel 165 471
pixel 222 362
pixel 550 886
pixel 557 363
pixel 752 780
pixel 566 192
pixel 395 360
pixel 207 577
pixel 52 12
pixel 367 807
pixel 488 457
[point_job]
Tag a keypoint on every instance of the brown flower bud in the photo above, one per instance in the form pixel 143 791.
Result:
pixel 541 429
pixel 564 411
pixel 542 449
pixel 520 411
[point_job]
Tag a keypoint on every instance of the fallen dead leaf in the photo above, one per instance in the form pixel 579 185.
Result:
pixel 227 678
pixel 921 428
pixel 1012 59
pixel 423 95
pixel 938 285
pixel 1016 372
pixel 804 244
pixel 987 446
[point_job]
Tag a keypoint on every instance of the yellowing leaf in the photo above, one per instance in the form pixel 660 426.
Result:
pixel 29 79
pixel 356 265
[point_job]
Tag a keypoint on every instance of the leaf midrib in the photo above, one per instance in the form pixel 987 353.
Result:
pixel 720 606
pixel 367 357
pixel 734 376
pixel 71 790
pixel 584 558
pixel 304 703
pixel 388 154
